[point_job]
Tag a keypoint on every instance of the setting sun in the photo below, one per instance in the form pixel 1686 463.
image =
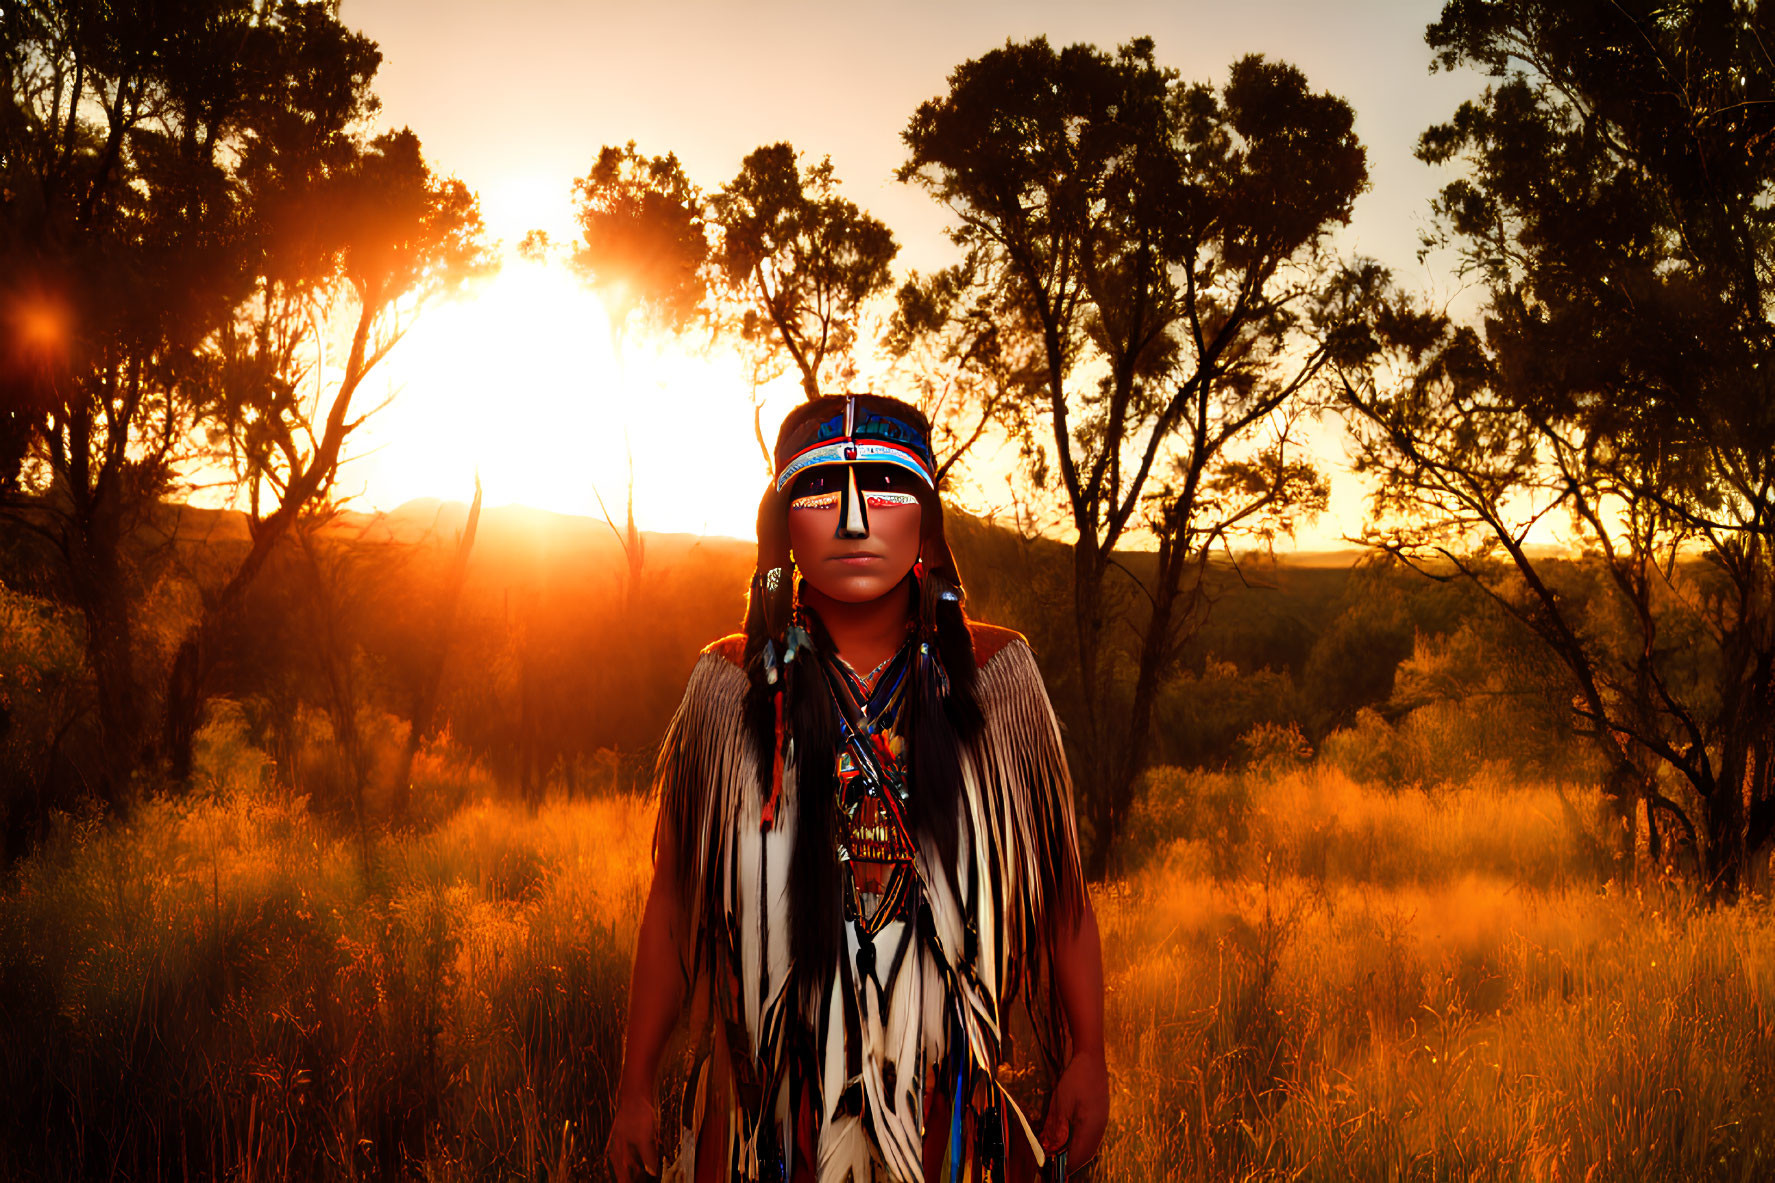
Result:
pixel 517 379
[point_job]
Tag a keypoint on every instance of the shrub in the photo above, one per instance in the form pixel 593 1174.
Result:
pixel 44 692
pixel 1270 748
pixel 1368 752
pixel 1208 810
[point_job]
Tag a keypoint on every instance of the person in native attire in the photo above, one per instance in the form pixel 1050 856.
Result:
pixel 865 858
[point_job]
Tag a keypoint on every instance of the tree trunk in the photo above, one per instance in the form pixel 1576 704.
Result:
pixel 342 700
pixel 109 653
pixel 1740 724
pixel 1725 823
pixel 634 549
pixel 1725 837
pixel 1759 821
pixel 1654 840
pixel 194 663
pixel 184 703
pixel 1135 744
pixel 1092 783
pixel 192 666
pixel 97 581
pixel 1622 790
pixel 529 785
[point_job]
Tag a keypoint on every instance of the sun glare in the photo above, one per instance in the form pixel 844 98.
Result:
pixel 517 380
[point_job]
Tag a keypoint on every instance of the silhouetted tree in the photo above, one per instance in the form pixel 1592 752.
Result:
pixel 965 375
pixel 183 190
pixel 799 262
pixel 428 686
pixel 643 246
pixel 357 234
pixel 1616 211
pixel 1157 248
pixel 644 249
pixel 124 242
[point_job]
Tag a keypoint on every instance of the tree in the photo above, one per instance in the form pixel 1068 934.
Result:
pixel 643 247
pixel 1615 212
pixel 428 683
pixel 122 245
pixel 1157 247
pixel 164 249
pixel 359 235
pixel 799 262
pixel 967 377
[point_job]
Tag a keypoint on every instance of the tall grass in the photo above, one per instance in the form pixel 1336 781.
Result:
pixel 219 987
pixel 1309 978
pixel 1426 985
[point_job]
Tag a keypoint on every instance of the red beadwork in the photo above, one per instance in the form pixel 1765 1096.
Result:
pixel 769 813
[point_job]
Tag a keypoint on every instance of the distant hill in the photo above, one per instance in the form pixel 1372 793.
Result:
pixel 507 533
pixel 523 529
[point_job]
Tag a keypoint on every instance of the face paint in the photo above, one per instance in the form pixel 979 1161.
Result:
pixel 874 499
pixel 881 505
pixel 875 486
pixel 853 515
pixel 885 500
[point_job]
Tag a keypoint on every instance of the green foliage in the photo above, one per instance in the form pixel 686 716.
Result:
pixel 1452 741
pixel 1088 185
pixel 1275 747
pixel 225 760
pixel 1354 661
pixel 1202 717
pixel 1370 752
pixel 1211 810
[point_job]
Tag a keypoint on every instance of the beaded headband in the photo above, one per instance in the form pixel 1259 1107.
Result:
pixel 866 430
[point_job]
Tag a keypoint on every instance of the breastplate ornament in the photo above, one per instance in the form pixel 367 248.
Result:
pixel 875 846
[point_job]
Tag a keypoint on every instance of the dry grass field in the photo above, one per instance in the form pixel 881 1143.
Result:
pixel 1308 979
pixel 1409 985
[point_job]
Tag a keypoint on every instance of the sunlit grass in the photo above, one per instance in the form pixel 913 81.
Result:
pixel 1309 979
pixel 219 985
pixel 1412 986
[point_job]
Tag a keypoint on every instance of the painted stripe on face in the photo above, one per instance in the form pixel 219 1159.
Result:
pixel 854 522
pixel 882 499
pixel 872 498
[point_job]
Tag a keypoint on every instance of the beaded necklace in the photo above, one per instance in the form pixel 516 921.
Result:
pixel 875 843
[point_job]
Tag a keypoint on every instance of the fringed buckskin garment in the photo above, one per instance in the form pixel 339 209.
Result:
pixel 893 1072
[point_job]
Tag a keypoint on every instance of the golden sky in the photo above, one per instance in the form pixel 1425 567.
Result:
pixel 516 98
